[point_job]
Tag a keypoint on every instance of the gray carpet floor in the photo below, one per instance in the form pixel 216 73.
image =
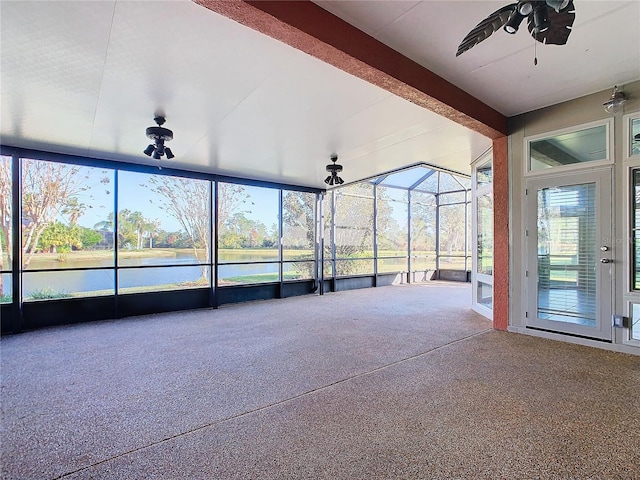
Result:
pixel 400 382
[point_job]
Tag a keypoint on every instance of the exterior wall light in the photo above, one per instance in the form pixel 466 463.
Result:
pixel 615 102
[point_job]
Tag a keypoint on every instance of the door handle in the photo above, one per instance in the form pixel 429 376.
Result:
pixel 605 260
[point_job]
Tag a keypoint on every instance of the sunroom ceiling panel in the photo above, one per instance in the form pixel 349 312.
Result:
pixel 51 76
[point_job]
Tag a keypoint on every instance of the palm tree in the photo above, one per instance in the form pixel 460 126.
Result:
pixel 151 230
pixel 74 209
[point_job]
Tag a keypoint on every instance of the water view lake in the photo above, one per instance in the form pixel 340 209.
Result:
pixel 66 280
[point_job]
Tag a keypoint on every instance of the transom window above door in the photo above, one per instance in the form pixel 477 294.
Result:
pixel 578 147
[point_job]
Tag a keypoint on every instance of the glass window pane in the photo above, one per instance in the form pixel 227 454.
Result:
pixel 247 223
pixel 136 280
pixel 635 321
pixel 248 273
pixel 67 283
pixel 353 226
pixel 298 225
pixel 452 235
pixel 6 183
pixel 581 146
pixel 485 295
pixel 354 267
pixel 6 288
pixel 635 137
pixel 484 174
pixel 485 234
pixel 66 211
pixel 392 265
pixel 298 270
pixel 162 220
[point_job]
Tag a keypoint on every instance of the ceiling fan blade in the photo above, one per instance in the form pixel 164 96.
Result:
pixel 486 27
pixel 560 26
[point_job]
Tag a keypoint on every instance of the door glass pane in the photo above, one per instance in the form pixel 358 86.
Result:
pixel 566 254
pixel 587 145
pixel 635 264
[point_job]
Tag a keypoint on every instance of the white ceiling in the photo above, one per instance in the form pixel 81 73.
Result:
pixel 87 78
pixel 603 48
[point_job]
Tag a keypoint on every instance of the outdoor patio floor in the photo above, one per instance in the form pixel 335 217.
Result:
pixel 401 382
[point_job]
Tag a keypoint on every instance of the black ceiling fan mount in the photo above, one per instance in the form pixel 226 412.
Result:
pixel 548 22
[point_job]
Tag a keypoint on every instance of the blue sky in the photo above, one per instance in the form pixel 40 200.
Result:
pixel 262 203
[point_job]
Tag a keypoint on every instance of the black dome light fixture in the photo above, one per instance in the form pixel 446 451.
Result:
pixel 159 135
pixel 334 169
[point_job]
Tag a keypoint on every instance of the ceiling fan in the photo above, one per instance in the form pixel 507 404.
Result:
pixel 548 21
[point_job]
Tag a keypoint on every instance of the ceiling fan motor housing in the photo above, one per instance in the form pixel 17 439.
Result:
pixel 334 167
pixel 159 133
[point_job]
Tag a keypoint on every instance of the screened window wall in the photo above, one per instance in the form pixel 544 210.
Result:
pixel 414 221
pixel 90 231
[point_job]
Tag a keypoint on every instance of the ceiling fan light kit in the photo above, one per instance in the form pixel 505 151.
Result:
pixel 159 135
pixel 334 169
pixel 558 5
pixel 524 8
pixel 548 22
pixel 515 19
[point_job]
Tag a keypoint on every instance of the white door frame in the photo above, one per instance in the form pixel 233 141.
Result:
pixel 476 191
pixel 605 272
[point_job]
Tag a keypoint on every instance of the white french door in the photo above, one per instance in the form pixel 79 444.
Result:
pixel 569 255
